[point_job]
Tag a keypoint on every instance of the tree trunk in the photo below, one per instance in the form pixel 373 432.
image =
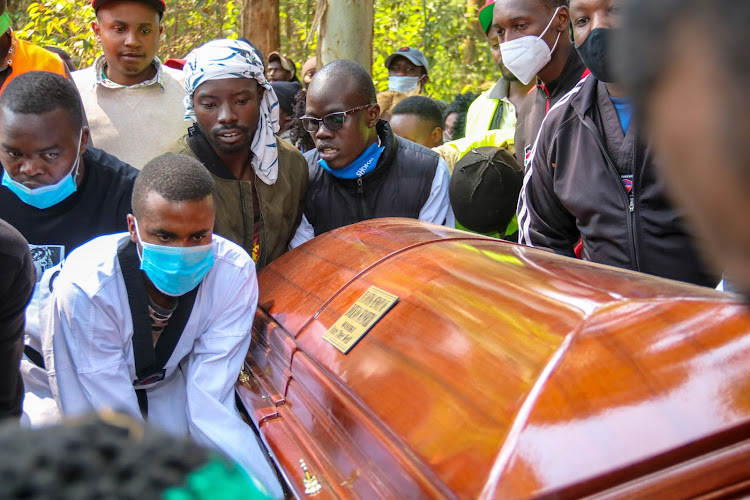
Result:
pixel 470 42
pixel 260 24
pixel 345 32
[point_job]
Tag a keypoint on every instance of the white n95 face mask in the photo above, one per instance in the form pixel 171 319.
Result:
pixel 526 56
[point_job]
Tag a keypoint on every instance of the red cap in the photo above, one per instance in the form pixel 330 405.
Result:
pixel 159 5
pixel 175 63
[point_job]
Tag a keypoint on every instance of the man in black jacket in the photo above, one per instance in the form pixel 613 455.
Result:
pixel 16 284
pixel 535 46
pixel 57 192
pixel 360 170
pixel 591 176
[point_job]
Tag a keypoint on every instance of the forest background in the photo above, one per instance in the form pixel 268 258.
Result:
pixel 446 30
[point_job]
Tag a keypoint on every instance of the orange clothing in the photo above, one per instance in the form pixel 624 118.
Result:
pixel 24 57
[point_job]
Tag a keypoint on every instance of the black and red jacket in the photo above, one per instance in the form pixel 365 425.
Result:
pixel 578 185
pixel 539 101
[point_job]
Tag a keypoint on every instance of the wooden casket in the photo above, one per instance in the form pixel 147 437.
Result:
pixel 502 371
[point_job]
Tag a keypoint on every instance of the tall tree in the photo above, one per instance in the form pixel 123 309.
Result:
pixel 260 24
pixel 470 46
pixel 345 31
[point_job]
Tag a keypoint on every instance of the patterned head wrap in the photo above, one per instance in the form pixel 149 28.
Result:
pixel 221 59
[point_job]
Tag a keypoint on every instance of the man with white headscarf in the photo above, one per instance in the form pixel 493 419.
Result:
pixel 261 180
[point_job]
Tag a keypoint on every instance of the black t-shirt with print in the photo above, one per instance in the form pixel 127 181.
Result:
pixel 99 206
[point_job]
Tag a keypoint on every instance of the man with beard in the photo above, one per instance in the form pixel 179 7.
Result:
pixel 260 179
pixel 495 109
pixel 591 173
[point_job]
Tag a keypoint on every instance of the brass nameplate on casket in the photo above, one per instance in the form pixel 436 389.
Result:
pixel 360 317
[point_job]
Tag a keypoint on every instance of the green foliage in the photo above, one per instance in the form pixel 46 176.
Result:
pixel 296 17
pixel 67 24
pixel 64 24
pixel 456 49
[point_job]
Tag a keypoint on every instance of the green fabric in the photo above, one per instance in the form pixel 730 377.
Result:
pixel 4 22
pixel 217 480
pixel 480 116
pixel 512 228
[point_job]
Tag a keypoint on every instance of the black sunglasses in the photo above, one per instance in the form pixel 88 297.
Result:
pixel 332 121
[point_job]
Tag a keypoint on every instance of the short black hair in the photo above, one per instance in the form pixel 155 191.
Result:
pixel 343 69
pixel 174 177
pixel 57 50
pixel 300 137
pixel 460 106
pixel 41 92
pixel 91 458
pixel 423 107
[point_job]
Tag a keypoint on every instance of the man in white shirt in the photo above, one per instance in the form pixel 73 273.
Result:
pixel 156 322
pixel 133 103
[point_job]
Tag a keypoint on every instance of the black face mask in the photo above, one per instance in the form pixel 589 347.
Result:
pixel 595 53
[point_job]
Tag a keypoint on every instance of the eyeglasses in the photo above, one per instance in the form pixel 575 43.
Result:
pixel 332 121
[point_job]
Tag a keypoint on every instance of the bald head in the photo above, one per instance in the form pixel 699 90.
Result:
pixel 334 74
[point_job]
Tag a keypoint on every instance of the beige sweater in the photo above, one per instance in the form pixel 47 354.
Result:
pixel 137 123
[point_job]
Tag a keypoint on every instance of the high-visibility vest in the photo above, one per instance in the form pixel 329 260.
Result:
pixel 24 57
pixel 481 111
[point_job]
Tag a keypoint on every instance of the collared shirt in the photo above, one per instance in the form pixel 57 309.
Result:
pixel 501 90
pixel 101 78
pixel 500 120
pixel 491 111
pixel 134 123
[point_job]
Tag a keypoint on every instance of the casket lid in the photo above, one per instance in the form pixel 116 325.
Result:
pixel 502 372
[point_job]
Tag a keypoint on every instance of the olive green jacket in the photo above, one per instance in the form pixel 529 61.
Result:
pixel 281 204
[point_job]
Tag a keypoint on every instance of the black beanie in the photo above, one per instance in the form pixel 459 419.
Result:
pixel 286 91
pixel 484 189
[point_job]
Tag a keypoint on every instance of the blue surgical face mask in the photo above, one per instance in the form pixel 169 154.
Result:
pixel 46 196
pixel 175 271
pixel 403 84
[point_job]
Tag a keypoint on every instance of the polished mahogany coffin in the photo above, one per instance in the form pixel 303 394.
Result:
pixel 502 371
